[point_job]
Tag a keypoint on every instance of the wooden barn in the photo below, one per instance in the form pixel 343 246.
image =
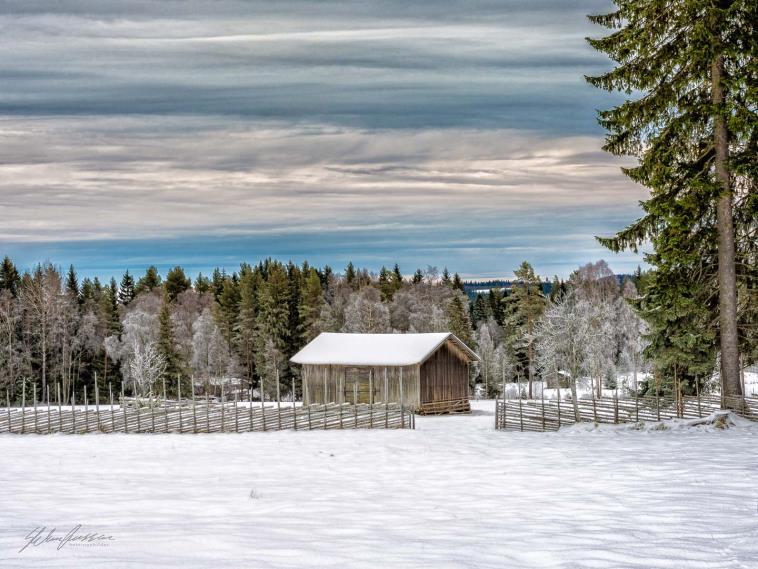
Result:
pixel 428 373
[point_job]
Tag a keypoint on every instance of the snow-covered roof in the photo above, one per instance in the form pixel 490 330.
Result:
pixel 375 349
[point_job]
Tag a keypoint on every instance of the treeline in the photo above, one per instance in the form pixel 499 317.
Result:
pixel 242 326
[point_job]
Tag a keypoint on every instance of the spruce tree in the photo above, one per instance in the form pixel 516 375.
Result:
pixel 72 283
pixel 250 281
pixel 310 306
pixel 202 284
pixel 126 290
pixel 446 277
pixel 527 304
pixel 167 344
pixel 692 130
pixel 227 310
pixel 397 278
pixel 150 281
pixel 350 275
pixel 9 276
pixel 418 277
pixel 176 283
pixel 458 321
pixel 458 283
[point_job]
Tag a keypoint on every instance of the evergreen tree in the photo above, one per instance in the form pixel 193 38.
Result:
pixel 109 309
pixel 310 307
pixel 526 305
pixel 496 305
pixel 202 284
pixel 72 283
pixel 227 309
pixel 446 277
pixel 418 277
pixel 458 283
pixel 350 275
pixel 386 284
pixel 126 290
pixel 9 276
pixel 167 344
pixel 397 278
pixel 693 133
pixel 151 280
pixel 250 281
pixel 479 311
pixel 273 316
pixel 217 282
pixel 176 283
pixel 458 322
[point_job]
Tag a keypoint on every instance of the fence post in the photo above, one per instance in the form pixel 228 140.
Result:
pixel 371 398
pixel 97 405
pixel 8 407
pixel 236 414
pixel 594 408
pixel 165 405
pixel 123 409
pixel 86 411
pixel 637 405
pixel 113 420
pixel 542 398
pixel 223 424
pixel 616 408
pixel 355 402
pixel 34 395
pixel 139 411
pixel 263 404
pixel 559 402
pixel 60 410
pixel 47 390
pixel 23 407
pixel 194 410
pixel 657 404
pixel 497 412
pixel 73 412
pixel 697 387
pixel 207 414
pixel 179 398
pixel 520 407
pixel 250 413
pixel 152 411
pixel 402 401
pixel 294 404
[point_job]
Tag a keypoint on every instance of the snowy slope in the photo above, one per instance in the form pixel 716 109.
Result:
pixel 453 493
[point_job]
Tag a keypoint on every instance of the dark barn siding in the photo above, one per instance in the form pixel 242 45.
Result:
pixel 444 376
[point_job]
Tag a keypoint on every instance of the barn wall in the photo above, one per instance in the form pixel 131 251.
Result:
pixel 444 376
pixel 333 384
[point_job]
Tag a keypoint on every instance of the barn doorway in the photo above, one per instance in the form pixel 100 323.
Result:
pixel 358 385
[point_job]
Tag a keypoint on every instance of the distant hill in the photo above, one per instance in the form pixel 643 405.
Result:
pixel 473 288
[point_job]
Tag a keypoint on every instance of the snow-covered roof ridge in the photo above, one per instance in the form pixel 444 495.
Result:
pixel 330 348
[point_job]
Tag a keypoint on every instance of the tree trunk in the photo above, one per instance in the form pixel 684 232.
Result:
pixel 727 278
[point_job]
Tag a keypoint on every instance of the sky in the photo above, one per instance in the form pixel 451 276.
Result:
pixel 446 133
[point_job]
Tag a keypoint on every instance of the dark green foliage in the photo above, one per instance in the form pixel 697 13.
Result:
pixel 665 54
pixel 418 277
pixel 176 283
pixel 151 280
pixel 458 320
pixel 458 283
pixel 350 275
pixel 126 289
pixel 9 276
pixel 72 282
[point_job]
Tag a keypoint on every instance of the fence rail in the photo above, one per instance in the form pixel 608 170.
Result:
pixel 550 415
pixel 202 418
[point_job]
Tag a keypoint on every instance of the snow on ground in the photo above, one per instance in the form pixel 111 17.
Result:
pixel 452 493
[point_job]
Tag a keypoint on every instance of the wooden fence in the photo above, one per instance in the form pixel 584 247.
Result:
pixel 550 414
pixel 194 415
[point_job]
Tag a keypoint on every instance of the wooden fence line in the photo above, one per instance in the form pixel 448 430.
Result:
pixel 549 414
pixel 211 418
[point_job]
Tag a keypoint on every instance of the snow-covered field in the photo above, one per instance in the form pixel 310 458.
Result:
pixel 453 493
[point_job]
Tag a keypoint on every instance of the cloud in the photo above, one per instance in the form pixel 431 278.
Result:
pixel 446 132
